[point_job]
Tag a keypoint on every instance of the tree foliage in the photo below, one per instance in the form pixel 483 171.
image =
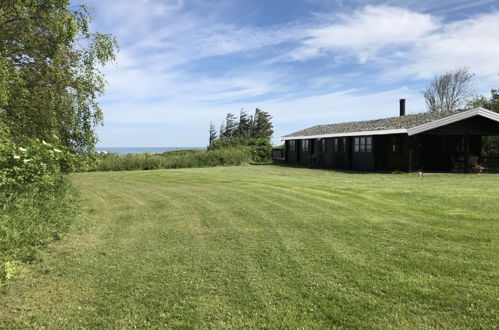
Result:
pixel 213 133
pixel 257 126
pixel 244 127
pixel 229 126
pixel 262 125
pixel 450 91
pixel 250 132
pixel 49 68
pixel 491 103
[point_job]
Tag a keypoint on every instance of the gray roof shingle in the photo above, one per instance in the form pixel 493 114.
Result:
pixel 401 122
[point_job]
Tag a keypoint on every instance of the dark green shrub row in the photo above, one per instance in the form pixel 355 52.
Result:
pixel 174 159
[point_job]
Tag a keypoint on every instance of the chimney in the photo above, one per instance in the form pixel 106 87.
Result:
pixel 402 107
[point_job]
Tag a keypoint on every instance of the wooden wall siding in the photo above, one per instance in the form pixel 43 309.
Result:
pixel 305 156
pixel 363 161
pixel 286 151
pixel 328 156
pixel 340 160
pixel 335 159
pixel 291 156
pixel 381 148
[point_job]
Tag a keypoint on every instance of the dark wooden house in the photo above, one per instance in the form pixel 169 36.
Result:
pixel 439 141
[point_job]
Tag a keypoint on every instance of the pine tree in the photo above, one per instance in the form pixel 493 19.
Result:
pixel 231 125
pixel 262 127
pixel 213 133
pixel 222 134
pixel 244 126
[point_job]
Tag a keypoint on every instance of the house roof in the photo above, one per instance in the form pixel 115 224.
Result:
pixel 408 124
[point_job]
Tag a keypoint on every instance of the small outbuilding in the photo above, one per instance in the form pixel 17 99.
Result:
pixel 434 141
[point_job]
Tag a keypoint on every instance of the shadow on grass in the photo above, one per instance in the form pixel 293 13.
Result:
pixel 339 170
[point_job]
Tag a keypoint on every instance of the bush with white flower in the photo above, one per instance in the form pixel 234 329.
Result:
pixel 33 162
pixel 36 201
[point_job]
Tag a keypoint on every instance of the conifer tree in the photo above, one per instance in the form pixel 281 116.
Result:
pixel 231 125
pixel 244 126
pixel 213 133
pixel 222 135
pixel 262 127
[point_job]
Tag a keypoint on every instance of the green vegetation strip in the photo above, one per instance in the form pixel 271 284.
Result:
pixel 270 247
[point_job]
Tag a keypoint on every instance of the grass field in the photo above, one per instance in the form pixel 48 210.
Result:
pixel 269 247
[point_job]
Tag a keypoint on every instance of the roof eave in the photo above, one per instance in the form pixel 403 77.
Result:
pixel 411 131
pixel 452 119
pixel 361 133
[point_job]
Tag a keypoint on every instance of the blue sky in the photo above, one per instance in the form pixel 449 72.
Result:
pixel 184 63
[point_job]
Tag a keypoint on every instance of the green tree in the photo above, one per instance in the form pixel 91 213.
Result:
pixel 231 125
pixel 221 135
pixel 245 125
pixel 262 124
pixel 213 134
pixel 49 67
pixel 489 104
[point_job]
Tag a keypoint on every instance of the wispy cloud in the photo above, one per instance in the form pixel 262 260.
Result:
pixel 365 33
pixel 406 44
pixel 472 42
pixel 183 62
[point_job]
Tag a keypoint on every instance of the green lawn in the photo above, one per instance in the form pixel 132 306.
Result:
pixel 269 247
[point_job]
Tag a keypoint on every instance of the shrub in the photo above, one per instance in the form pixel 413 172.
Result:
pixel 30 219
pixel 174 159
pixel 36 202
pixel 33 162
pixel 260 148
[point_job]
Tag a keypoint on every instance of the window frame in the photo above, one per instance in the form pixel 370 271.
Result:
pixel 322 145
pixel 305 145
pixel 363 144
pixel 339 144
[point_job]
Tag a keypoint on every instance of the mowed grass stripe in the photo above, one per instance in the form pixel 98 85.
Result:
pixel 270 247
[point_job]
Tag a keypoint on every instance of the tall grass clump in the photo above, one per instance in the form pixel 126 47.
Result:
pixel 174 159
pixel 37 204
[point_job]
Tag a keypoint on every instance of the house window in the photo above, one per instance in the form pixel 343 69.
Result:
pixel 369 144
pixel 304 145
pixel 363 144
pixel 292 145
pixel 340 144
pixel 321 145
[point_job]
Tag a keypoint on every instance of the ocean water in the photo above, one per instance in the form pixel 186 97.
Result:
pixel 142 150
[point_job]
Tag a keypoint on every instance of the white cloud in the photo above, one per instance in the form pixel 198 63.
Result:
pixel 405 44
pixel 472 42
pixel 155 78
pixel 366 32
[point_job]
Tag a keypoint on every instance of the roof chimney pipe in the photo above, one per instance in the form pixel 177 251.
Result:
pixel 402 107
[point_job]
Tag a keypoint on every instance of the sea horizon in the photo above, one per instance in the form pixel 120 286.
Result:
pixel 142 150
